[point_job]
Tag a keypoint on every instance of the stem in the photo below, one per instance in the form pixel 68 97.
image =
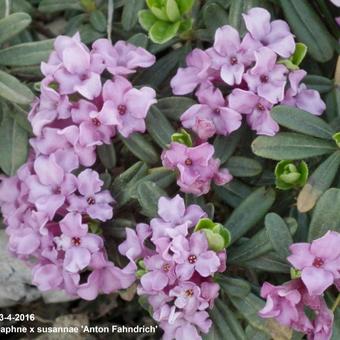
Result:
pixel 7 8
pixel 109 18
pixel 335 304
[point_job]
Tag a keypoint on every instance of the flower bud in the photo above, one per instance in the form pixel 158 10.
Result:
pixel 289 175
pixel 217 235
pixel 182 137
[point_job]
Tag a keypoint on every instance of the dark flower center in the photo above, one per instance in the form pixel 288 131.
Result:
pixel 188 162
pixel 96 122
pixel 166 267
pixel 192 259
pixel 91 200
pixel 264 78
pixel 121 109
pixel 217 111
pixel 233 61
pixel 260 107
pixel 318 262
pixel 189 292
pixel 76 241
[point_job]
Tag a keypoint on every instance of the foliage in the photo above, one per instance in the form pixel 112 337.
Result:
pixel 262 220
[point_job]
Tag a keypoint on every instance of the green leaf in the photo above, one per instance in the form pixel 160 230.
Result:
pixel 16 6
pixel 107 155
pixel 319 182
pixel 290 146
pixel 253 333
pixel 159 13
pixel 139 40
pixel 240 166
pixel 174 107
pixel 12 25
pixel 231 320
pixel 88 34
pixel 182 137
pixel 299 53
pixel 146 19
pixel 141 148
pixel 130 13
pixel 125 183
pixel 13 90
pixel 157 73
pixel 225 323
pixel 50 6
pixel 226 145
pixel 172 10
pixel 162 31
pixel 326 215
pixel 319 83
pixel 256 246
pixel 249 307
pixel 309 28
pixel 302 121
pixel 98 20
pixel 13 145
pixel 148 195
pixel 32 53
pixel 279 234
pixel 232 193
pixel 249 212
pixel 233 286
pixel 159 127
pixel 185 5
pixel 333 104
pixel 269 262
pixel 214 16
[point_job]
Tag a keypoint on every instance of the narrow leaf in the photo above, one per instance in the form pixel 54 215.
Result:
pixel 302 121
pixel 290 146
pixel 249 212
pixel 13 90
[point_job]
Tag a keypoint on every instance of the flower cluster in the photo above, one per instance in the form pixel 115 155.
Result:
pixel 52 207
pixel 177 267
pixel 254 70
pixel 318 266
pixel 196 167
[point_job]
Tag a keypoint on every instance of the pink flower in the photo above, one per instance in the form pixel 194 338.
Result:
pixel 319 262
pixel 92 201
pixel 95 128
pixel 50 185
pixel 284 304
pixel 47 276
pixel 121 58
pixel 126 105
pixel 230 55
pixel 198 71
pixel 299 96
pixel 188 297
pixel 104 278
pixel 161 273
pixel 211 116
pixel 196 166
pixel 174 218
pixel 193 255
pixel 257 110
pixel 288 303
pixel 71 67
pixel 133 247
pixel 267 78
pixel 77 243
pixel 275 35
